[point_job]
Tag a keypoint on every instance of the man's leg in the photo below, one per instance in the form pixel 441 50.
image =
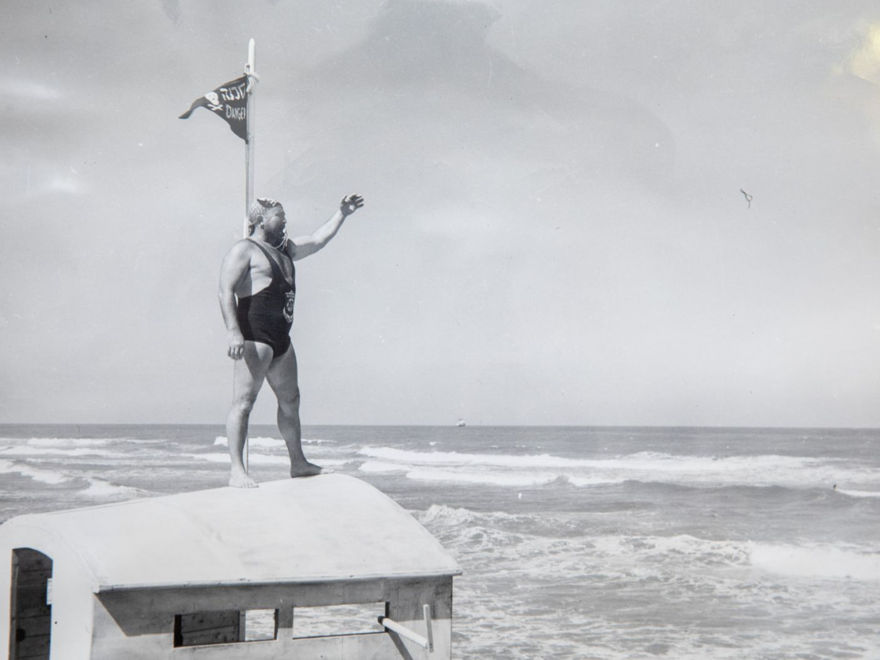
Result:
pixel 282 376
pixel 247 378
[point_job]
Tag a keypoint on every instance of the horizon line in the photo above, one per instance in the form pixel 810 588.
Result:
pixel 467 426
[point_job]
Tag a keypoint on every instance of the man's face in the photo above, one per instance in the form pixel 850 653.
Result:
pixel 274 222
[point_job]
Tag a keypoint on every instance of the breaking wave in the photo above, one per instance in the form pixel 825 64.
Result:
pixel 263 441
pixel 42 475
pixel 521 470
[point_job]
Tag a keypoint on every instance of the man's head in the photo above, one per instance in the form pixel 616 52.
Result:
pixel 265 213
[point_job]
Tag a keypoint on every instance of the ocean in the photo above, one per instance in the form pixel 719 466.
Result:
pixel 575 542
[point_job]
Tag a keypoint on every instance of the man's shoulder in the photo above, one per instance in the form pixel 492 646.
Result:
pixel 243 246
pixel 242 249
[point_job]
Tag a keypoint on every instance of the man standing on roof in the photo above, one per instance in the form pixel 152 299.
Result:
pixel 257 289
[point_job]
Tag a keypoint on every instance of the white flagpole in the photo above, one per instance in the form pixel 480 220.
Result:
pixel 250 70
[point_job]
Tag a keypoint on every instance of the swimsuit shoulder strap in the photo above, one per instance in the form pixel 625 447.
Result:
pixel 276 269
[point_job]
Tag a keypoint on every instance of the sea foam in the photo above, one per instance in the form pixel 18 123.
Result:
pixel 513 478
pixel 645 556
pixel 69 442
pixel 457 458
pixel 263 459
pixel 816 562
pixel 859 493
pixel 263 441
pixel 254 459
pixel 99 488
pixel 37 451
pixel 381 467
pixel 37 474
pixel 506 469
pixel 463 476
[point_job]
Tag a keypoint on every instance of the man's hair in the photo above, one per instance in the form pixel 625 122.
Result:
pixel 258 211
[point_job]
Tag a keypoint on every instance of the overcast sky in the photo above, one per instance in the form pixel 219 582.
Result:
pixel 554 231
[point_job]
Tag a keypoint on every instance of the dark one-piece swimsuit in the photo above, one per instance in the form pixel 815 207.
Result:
pixel 267 316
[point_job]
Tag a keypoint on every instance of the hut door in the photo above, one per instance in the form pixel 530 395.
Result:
pixel 31 623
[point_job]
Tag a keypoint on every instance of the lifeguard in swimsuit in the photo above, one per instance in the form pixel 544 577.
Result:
pixel 257 291
pixel 267 315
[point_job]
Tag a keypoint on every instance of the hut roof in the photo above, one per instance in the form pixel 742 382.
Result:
pixel 325 528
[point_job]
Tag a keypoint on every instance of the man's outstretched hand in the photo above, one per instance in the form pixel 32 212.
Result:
pixel 351 204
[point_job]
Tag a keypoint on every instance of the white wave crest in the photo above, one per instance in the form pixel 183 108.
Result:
pixel 37 474
pixel 99 488
pixel 452 458
pixel 511 478
pixel 583 482
pixel 649 553
pixel 378 467
pixel 516 478
pixel 262 441
pixel 446 514
pixel 259 441
pixel 264 459
pixel 816 562
pixel 507 469
pixel 649 550
pixel 253 459
pixel 68 442
pixel 859 493
pixel 49 450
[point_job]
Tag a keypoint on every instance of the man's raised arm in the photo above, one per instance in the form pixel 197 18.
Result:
pixel 303 246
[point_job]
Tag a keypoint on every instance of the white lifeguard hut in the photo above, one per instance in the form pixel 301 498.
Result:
pixel 184 576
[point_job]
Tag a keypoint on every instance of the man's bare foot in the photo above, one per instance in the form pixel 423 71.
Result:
pixel 305 469
pixel 241 479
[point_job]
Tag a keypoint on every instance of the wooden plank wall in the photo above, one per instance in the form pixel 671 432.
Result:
pixel 31 615
pixel 217 627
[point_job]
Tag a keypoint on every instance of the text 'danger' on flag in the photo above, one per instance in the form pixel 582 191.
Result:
pixel 229 102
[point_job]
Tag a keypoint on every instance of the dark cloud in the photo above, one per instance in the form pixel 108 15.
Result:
pixel 424 89
pixel 171 9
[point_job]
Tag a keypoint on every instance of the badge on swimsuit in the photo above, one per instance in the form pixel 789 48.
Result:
pixel 287 310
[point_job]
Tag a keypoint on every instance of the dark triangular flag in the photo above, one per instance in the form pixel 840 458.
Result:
pixel 229 102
